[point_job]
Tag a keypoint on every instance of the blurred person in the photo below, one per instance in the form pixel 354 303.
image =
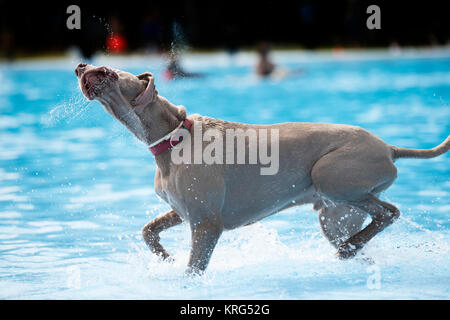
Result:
pixel 266 68
pixel 175 71
pixel 178 45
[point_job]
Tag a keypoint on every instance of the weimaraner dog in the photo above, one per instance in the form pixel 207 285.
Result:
pixel 340 169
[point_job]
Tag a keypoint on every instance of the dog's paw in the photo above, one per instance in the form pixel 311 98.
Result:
pixel 346 250
pixel 167 258
pixel 164 255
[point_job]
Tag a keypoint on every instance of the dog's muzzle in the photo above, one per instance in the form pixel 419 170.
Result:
pixel 92 81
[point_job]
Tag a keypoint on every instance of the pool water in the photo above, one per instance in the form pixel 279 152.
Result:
pixel 76 187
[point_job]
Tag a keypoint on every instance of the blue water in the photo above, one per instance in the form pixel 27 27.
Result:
pixel 76 187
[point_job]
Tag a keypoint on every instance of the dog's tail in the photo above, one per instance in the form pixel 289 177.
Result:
pixel 421 153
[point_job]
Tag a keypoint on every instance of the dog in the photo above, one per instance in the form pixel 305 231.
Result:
pixel 340 169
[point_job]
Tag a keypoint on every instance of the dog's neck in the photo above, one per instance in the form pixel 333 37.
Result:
pixel 159 118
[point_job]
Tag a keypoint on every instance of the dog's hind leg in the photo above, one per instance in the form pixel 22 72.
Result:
pixel 382 213
pixel 205 235
pixel 353 176
pixel 151 231
pixel 340 222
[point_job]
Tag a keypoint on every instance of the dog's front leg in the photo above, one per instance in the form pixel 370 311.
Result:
pixel 151 231
pixel 204 238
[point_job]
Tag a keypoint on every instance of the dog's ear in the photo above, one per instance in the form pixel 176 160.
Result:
pixel 150 91
pixel 148 76
pixel 144 76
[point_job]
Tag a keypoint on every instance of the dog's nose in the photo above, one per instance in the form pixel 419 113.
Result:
pixel 80 69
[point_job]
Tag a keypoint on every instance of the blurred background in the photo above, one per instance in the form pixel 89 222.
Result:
pixel 76 187
pixel 39 27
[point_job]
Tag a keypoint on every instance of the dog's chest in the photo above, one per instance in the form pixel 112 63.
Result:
pixel 160 189
pixel 167 192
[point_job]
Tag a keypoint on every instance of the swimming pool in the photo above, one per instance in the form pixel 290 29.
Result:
pixel 76 187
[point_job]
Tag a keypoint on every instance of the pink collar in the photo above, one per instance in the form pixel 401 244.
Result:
pixel 167 142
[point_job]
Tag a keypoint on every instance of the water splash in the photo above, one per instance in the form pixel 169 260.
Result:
pixel 179 43
pixel 68 111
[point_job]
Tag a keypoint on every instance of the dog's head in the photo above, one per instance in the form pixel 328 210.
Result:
pixel 133 100
pixel 122 94
pixel 106 85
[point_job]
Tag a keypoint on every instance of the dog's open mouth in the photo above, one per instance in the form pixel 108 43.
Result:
pixel 93 81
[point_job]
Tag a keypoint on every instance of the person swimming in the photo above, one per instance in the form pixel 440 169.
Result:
pixel 175 71
pixel 265 68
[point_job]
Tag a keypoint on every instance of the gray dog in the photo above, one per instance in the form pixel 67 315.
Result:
pixel 340 169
